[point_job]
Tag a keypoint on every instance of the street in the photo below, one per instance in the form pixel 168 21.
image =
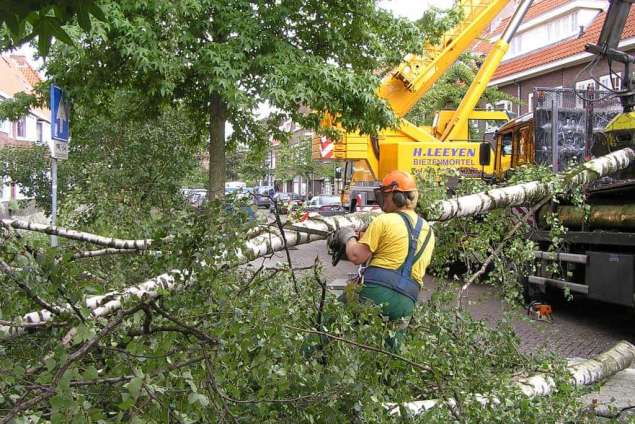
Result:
pixel 580 328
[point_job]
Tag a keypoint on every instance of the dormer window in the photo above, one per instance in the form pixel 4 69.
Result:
pixel 543 35
pixel 564 22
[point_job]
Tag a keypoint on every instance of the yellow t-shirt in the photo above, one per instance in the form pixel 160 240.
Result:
pixel 387 239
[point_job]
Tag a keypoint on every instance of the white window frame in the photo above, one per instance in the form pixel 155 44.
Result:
pixel 506 105
pixel 612 81
pixel 583 85
pixel 39 131
pixel 530 102
pixel 17 134
pixel 545 34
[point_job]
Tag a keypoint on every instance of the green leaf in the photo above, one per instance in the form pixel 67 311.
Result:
pixel 54 28
pixel 91 373
pixel 134 387
pixel 83 333
pixel 83 18
pixel 198 397
pixel 12 23
pixel 43 43
pixel 95 10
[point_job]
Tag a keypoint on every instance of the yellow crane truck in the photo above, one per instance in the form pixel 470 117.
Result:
pixel 455 140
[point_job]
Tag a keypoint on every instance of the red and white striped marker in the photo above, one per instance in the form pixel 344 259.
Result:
pixel 326 148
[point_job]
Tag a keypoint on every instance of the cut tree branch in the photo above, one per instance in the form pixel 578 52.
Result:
pixel 82 236
pixel 24 404
pixel 620 357
pixel 498 249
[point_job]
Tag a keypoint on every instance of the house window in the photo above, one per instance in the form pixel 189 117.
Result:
pixel 611 81
pixel 505 105
pixel 586 84
pixel 39 132
pixel 542 35
pixel 20 128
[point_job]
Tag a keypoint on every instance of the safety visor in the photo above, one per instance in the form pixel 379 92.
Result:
pixel 381 191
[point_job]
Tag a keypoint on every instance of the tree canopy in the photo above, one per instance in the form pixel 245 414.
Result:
pixel 221 59
pixel 25 20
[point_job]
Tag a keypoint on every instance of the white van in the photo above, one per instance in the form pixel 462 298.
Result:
pixel 234 186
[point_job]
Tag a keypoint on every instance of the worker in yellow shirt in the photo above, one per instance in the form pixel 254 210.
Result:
pixel 397 246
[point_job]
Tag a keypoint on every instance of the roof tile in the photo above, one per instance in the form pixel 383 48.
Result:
pixel 562 49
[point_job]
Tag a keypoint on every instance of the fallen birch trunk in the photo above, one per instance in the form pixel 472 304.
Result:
pixel 100 305
pixel 602 366
pixel 443 210
pixel 531 192
pixel 79 235
pixel 318 228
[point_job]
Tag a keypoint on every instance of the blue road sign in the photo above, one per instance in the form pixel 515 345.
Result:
pixel 60 123
pixel 59 114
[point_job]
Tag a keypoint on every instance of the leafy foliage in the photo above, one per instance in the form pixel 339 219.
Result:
pixel 241 342
pixel 295 159
pixel 120 164
pixel 297 56
pixel 448 92
pixel 24 20
pixel 231 345
pixel 464 244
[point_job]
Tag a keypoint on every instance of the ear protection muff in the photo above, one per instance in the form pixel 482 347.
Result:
pixel 399 198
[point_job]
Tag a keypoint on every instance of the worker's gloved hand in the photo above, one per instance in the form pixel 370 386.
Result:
pixel 336 243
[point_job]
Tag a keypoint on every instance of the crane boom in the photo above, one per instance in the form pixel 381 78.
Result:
pixel 404 86
pixel 484 75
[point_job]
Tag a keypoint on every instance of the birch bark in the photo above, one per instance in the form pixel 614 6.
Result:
pixel 304 232
pixel 604 365
pixel 531 192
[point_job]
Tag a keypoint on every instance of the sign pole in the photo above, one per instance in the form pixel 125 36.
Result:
pixel 53 198
pixel 60 134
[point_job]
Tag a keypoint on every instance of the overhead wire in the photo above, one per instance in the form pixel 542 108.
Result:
pixel 589 68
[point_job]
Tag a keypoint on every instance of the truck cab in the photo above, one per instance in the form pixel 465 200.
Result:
pixel 514 145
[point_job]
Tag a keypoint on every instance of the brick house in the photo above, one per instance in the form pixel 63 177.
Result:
pixel 299 137
pixel 16 75
pixel 548 49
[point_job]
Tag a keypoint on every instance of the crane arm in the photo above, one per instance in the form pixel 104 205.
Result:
pixel 484 75
pixel 607 47
pixel 405 85
pixel 614 24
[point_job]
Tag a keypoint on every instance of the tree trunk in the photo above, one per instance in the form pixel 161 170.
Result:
pixel 531 192
pixel 216 175
pixel 602 366
pixel 258 246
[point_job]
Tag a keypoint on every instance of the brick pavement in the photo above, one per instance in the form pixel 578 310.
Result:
pixel 581 328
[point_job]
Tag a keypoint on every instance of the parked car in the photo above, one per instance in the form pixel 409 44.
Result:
pixel 261 196
pixel 232 187
pixel 286 202
pixel 325 205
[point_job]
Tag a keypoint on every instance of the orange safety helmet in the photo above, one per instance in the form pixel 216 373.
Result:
pixel 398 181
